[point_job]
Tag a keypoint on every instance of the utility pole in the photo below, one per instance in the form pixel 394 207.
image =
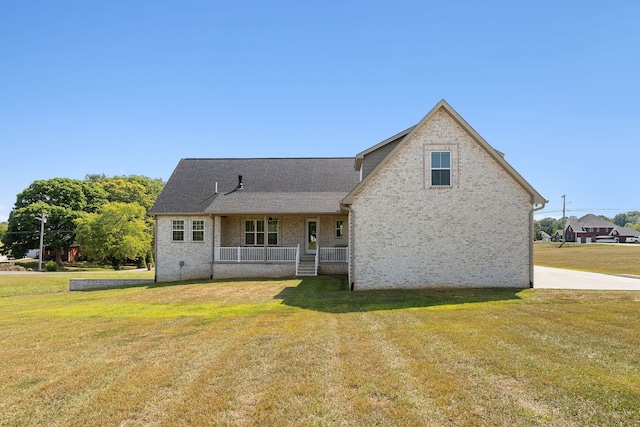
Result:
pixel 43 219
pixel 564 216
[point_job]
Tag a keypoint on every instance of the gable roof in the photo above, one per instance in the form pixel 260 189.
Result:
pixel 269 185
pixel 589 221
pixel 406 135
pixel 625 231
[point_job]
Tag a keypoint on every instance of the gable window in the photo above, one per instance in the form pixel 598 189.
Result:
pixel 441 168
pixel 339 229
pixel 177 227
pixel 197 230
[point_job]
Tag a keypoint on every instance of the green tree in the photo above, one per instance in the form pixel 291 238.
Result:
pixel 549 225
pixel 152 187
pixel 62 200
pixel 3 230
pixel 130 189
pixel 95 196
pixel 64 192
pixel 117 233
pixel 24 229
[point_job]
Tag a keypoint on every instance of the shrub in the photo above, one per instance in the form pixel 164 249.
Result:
pixel 51 266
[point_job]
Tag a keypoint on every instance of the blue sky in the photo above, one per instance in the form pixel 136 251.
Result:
pixel 131 87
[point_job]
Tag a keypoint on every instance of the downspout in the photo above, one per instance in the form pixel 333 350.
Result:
pixel 155 249
pixel 213 240
pixel 534 209
pixel 350 245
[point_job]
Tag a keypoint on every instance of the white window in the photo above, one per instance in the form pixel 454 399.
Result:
pixel 339 229
pixel 272 232
pixel 177 227
pixel 197 230
pixel 441 168
pixel 255 232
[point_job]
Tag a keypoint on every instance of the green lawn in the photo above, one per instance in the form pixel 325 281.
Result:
pixel 598 258
pixel 307 352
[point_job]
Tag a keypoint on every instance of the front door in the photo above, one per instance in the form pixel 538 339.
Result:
pixel 311 227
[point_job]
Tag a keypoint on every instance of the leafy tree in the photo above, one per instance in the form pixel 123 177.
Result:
pixel 152 187
pixel 548 225
pixel 24 229
pixel 95 195
pixel 120 190
pixel 54 192
pixel 117 233
pixel 635 226
pixel 62 200
pixel 631 217
pixel 3 230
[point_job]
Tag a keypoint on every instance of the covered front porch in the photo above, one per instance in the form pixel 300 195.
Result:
pixel 279 245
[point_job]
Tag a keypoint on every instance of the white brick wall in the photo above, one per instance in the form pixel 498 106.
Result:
pixel 196 256
pixel 229 231
pixel 408 234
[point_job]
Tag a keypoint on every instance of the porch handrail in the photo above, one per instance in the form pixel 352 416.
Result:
pixel 335 254
pixel 256 254
pixel 277 254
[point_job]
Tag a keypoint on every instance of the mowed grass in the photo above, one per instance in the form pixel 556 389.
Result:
pixel 308 352
pixel 598 257
pixel 29 283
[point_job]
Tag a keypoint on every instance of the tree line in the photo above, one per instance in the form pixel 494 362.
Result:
pixel 550 225
pixel 106 216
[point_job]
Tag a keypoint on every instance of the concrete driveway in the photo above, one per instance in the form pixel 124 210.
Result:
pixel 557 278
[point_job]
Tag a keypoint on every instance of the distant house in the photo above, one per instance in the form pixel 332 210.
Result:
pixel 624 234
pixel 544 236
pixel 591 228
pixel 586 229
pixel 70 255
pixel 381 217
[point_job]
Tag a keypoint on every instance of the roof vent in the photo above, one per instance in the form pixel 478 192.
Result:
pixel 239 181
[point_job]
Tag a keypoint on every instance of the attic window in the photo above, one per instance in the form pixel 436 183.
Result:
pixel 441 168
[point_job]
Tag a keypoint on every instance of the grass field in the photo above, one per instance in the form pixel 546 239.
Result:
pixel 307 352
pixel 598 258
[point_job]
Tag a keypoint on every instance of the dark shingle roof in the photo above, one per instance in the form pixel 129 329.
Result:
pixel 625 231
pixel 591 220
pixel 290 185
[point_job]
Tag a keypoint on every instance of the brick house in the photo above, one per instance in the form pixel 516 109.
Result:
pixel 384 222
pixel 592 228
pixel 586 229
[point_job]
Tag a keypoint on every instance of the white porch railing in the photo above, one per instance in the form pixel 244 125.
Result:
pixel 255 254
pixel 338 254
pixel 277 254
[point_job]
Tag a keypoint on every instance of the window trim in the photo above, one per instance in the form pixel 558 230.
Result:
pixel 454 165
pixel 265 233
pixel 174 230
pixel 194 230
pixel 339 230
pixel 440 168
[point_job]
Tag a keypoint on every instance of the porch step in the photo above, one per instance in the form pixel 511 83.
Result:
pixel 307 266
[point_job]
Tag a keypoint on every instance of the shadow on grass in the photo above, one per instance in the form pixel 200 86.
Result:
pixel 330 294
